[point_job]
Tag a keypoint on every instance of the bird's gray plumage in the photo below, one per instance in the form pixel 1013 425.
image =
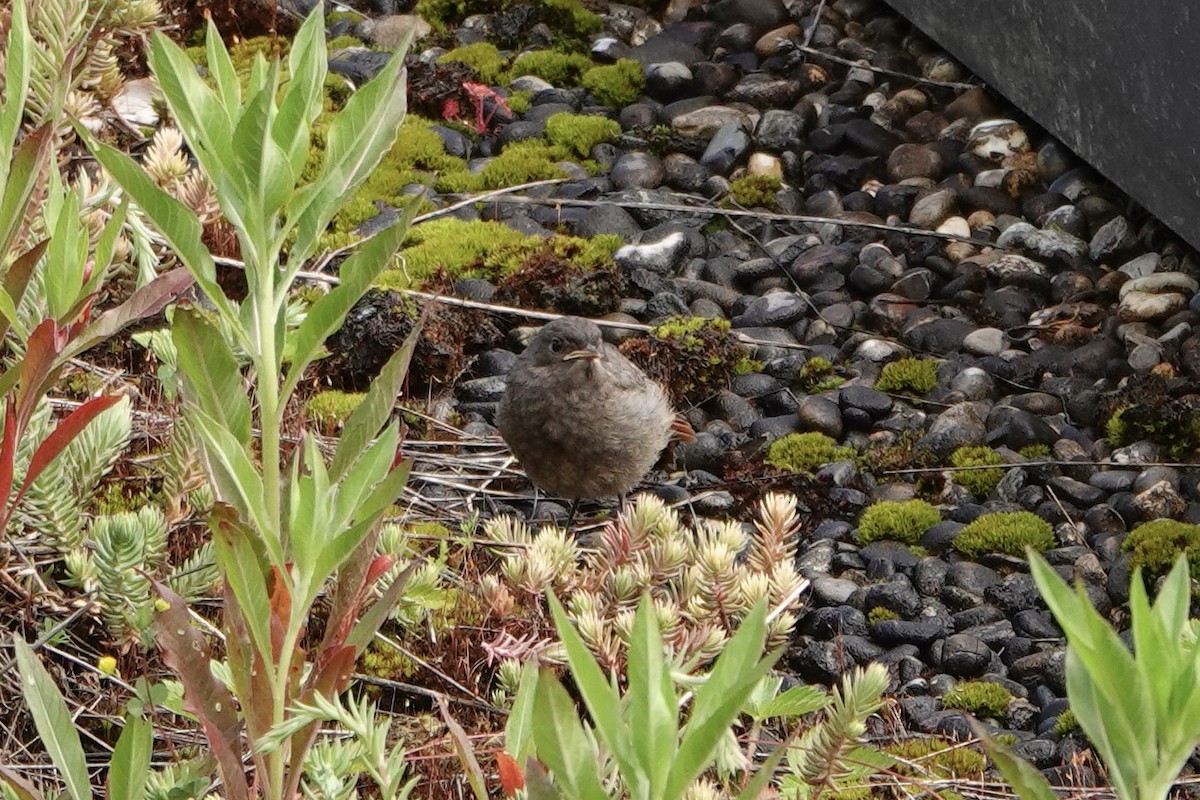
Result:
pixel 582 419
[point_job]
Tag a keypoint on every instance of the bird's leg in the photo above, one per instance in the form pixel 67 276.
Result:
pixel 571 514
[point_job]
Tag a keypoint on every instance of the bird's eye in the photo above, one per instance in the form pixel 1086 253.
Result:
pixel 556 345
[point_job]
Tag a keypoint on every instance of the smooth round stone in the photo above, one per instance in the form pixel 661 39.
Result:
pixel 934 208
pixel 829 591
pixel 1151 476
pixel 703 123
pixel 637 170
pixel 997 139
pixel 1113 480
pixel 1145 356
pixel 773 309
pixel 1079 494
pixel 1160 283
pixel 1140 267
pixel 1138 306
pixel 726 148
pixel 766 165
pixel 914 161
pixel 955 226
pixel 973 383
pixel 873 403
pixel 668 80
pixel 832 621
pixel 684 172
pixel 919 631
pixel 661 257
pixel 780 130
pixel 817 413
pixel 965 655
pixel 984 342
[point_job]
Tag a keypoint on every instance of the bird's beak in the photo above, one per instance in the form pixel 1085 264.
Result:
pixel 590 355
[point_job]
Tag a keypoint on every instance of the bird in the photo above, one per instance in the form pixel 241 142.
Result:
pixel 583 420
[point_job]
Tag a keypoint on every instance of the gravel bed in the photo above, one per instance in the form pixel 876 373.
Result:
pixel 953 230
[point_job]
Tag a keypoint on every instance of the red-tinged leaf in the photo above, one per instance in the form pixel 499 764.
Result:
pixel 379 566
pixel 250 672
pixel 8 450
pixel 63 435
pixel 16 280
pixel 281 610
pixel 512 778
pixel 41 354
pixel 374 617
pixel 147 301
pixel 348 594
pixel 186 652
pixel 24 174
pixel 462 748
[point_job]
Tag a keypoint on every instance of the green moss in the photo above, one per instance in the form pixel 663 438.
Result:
pixel 569 16
pixel 880 614
pixel 915 375
pixel 1007 532
pixel 1035 452
pixel 982 698
pixel 343 42
pixel 693 357
pixel 755 191
pixel 243 53
pixel 979 482
pixel 483 57
pixel 817 375
pixel 333 17
pixel 1066 724
pixel 899 521
pixel 806 452
pixel 519 102
pixel 936 757
pixel 331 408
pixel 482 249
pixel 1157 545
pixel 1169 423
pixel 521 162
pixel 617 84
pixel 559 69
pixel 577 134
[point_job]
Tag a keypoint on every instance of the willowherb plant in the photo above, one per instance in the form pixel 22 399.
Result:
pixel 702 581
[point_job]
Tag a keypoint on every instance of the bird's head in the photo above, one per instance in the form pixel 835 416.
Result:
pixel 565 340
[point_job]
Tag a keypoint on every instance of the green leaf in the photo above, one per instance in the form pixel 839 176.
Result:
pixel 370 415
pixel 174 220
pixel 562 743
pixel 130 764
pixel 204 121
pixel 24 174
pixel 518 731
pixel 62 278
pixel 653 708
pixel 234 549
pixel 358 138
pixel 601 697
pixel 220 67
pixel 356 274
pixel 236 479
pixel 54 724
pixel 16 85
pixel 1027 781
pixel 795 702
pixel 301 104
pixel 214 381
pixel 103 255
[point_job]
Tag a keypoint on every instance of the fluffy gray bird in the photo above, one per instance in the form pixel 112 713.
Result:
pixel 580 417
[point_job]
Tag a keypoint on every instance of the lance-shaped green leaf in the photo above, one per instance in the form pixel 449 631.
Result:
pixel 24 174
pixel 17 69
pixel 214 381
pixel 130 763
pixel 62 278
pixel 562 743
pixel 307 67
pixel 220 67
pixel 53 720
pixel 358 138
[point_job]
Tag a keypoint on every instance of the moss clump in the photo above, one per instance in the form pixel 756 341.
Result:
pixel 1066 724
pixel 693 357
pixel 982 698
pixel 559 69
pixel 899 521
pixel 480 249
pixel 519 102
pixel 915 375
pixel 936 757
pixel 806 452
pixel 817 375
pixel 617 84
pixel 1157 545
pixel 1035 452
pixel 329 410
pixel 556 278
pixel 880 614
pixel 579 133
pixel 1146 407
pixel 342 42
pixel 1007 532
pixel 979 482
pixel 521 162
pixel 483 57
pixel 755 191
